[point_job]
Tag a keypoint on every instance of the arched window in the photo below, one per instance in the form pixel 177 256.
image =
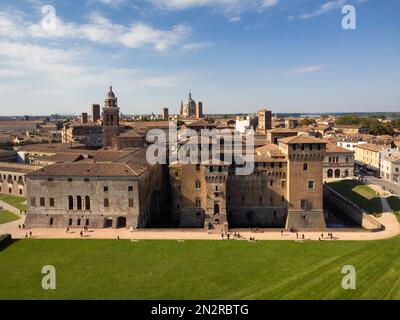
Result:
pixel 198 184
pixel 346 173
pixel 198 202
pixel 70 203
pixel 330 173
pixel 305 167
pixel 79 203
pixel 337 173
pixel 87 203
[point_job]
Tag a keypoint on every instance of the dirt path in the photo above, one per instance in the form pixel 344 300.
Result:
pixel 392 229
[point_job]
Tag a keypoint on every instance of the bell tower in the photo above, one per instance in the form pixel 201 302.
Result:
pixel 110 110
pixel 111 127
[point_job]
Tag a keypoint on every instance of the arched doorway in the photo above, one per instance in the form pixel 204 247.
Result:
pixel 121 222
pixel 330 173
pixel 337 173
pixel 108 223
pixel 216 208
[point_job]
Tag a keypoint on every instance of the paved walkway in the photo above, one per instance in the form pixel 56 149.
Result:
pixel 392 229
pixel 389 185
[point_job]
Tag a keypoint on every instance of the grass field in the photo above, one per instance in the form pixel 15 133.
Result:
pixel 112 269
pixel 16 202
pixel 7 216
pixel 359 193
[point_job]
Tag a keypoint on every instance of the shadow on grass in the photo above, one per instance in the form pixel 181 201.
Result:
pixel 359 193
pixel 5 244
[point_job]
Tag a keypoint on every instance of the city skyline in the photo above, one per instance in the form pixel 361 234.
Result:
pixel 290 56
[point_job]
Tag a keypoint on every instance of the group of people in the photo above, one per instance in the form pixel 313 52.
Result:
pixel 21 226
pixel 236 235
pixel 28 235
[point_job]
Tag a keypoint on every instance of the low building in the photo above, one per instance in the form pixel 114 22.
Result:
pixel 275 134
pixel 112 190
pixel 367 157
pixel 355 129
pixel 338 163
pixel 13 178
pixel 390 168
pixel 29 153
pixel 349 142
pixel 89 135
pixel 291 123
pixel 18 126
pixel 131 139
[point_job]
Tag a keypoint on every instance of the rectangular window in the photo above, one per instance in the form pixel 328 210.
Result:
pixel 105 189
pixel 51 202
pixel 42 202
pixel 283 184
pixel 69 179
pixel 78 223
pixel 130 202
pixel 50 179
pixel 33 202
pixel 130 188
pixel 86 179
pixel 87 222
pixel 271 183
pixel 70 222
pixel 106 203
pixel 303 204
pixel 311 184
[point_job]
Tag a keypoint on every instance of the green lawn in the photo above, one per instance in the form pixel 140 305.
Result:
pixel 394 203
pixel 7 216
pixel 112 269
pixel 360 194
pixel 17 202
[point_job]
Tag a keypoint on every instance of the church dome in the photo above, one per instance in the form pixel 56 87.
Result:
pixel 110 93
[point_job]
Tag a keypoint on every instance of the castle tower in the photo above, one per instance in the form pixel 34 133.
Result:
pixel 305 157
pixel 216 175
pixel 264 120
pixel 199 110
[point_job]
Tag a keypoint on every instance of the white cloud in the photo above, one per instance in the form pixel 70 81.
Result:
pixel 235 19
pixel 327 6
pixel 68 69
pixel 195 46
pixel 99 29
pixel 306 69
pixel 228 7
pixel 269 3
pixel 112 3
pixel 141 34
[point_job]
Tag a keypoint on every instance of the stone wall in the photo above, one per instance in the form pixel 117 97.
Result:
pixel 351 209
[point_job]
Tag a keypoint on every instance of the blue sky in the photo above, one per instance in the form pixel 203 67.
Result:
pixel 234 55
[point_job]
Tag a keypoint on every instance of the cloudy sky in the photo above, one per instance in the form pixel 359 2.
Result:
pixel 234 55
